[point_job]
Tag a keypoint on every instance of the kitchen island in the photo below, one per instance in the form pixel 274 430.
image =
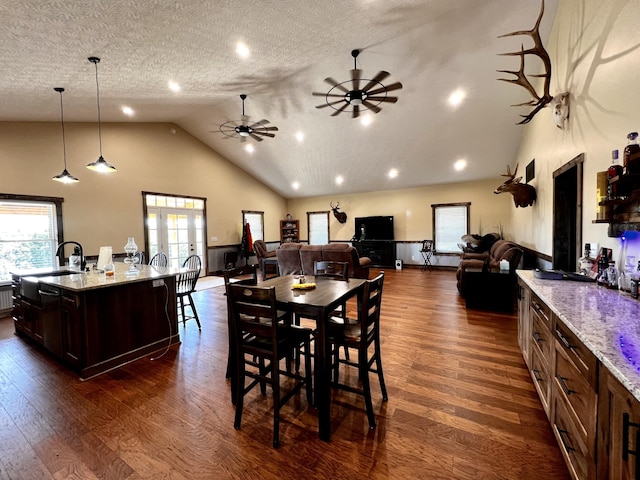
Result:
pixel 581 343
pixel 94 323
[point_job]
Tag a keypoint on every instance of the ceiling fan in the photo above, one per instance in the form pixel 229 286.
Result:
pixel 350 93
pixel 242 129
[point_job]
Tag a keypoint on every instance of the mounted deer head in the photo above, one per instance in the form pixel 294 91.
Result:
pixel 340 216
pixel 537 101
pixel 523 194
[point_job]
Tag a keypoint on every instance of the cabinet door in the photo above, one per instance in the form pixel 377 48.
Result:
pixel 619 431
pixel 524 325
pixel 71 329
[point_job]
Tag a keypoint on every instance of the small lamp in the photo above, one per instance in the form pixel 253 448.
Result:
pixel 100 165
pixel 65 176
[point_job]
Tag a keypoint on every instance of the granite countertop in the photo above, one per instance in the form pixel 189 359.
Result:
pixel 79 281
pixel 606 321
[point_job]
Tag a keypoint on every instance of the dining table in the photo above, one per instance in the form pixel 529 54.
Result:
pixel 317 303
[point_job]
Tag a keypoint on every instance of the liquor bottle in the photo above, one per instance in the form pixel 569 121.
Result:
pixel 632 154
pixel 615 170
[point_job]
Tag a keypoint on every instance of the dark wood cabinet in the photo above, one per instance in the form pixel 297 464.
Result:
pixel 382 253
pixel 289 231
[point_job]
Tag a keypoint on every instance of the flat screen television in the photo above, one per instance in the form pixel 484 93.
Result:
pixel 374 228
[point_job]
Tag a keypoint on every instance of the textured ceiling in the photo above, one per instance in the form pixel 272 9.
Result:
pixel 431 46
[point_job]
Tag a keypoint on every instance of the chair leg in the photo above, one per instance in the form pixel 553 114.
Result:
pixel 239 397
pixel 378 358
pixel 181 302
pixel 307 371
pixel 195 313
pixel 263 370
pixel 366 386
pixel 275 377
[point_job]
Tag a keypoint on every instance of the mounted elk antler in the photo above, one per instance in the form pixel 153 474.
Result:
pixel 340 216
pixel 523 194
pixel 537 101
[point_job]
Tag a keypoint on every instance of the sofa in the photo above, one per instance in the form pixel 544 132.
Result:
pixel 295 258
pixel 488 262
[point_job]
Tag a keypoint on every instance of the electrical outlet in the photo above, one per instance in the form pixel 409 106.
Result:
pixel 158 283
pixel 214 239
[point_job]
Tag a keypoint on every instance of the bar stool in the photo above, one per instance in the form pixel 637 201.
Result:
pixel 427 252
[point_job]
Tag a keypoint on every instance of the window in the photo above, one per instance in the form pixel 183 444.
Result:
pixel 256 223
pixel 29 231
pixel 450 222
pixel 318 227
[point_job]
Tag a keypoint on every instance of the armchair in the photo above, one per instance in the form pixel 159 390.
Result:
pixel 260 249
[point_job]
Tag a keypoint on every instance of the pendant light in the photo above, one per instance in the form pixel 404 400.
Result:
pixel 100 165
pixel 65 176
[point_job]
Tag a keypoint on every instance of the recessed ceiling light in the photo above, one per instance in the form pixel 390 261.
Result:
pixel 174 87
pixel 295 185
pixel 457 97
pixel 460 165
pixel 242 50
pixel 339 180
pixel 300 137
pixel 393 173
pixel 366 120
pixel 249 148
pixel 128 111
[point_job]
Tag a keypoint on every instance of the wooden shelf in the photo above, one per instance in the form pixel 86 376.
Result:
pixel 289 231
pixel 628 185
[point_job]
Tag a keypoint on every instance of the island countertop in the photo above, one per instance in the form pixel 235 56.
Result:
pixel 606 321
pixel 78 281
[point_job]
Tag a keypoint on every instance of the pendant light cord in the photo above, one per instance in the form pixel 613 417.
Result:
pixel 64 143
pixel 98 98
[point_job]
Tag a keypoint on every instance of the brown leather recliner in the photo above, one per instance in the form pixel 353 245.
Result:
pixel 260 249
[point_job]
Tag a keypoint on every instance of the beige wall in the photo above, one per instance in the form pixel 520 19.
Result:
pixel 106 209
pixel 595 53
pixel 411 209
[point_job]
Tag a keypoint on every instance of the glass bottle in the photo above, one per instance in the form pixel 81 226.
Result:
pixel 632 154
pixel 614 170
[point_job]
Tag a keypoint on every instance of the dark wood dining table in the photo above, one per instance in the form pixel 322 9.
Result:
pixel 317 304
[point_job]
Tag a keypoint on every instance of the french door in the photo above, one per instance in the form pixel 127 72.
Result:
pixel 177 232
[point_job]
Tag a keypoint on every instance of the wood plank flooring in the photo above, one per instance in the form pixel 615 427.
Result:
pixel 461 406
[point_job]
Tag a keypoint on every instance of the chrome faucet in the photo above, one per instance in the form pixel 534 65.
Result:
pixel 60 249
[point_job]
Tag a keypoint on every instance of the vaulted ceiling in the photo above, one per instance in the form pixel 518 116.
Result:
pixel 433 47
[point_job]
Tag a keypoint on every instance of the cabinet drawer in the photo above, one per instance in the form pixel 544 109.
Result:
pixel 541 379
pixel 582 358
pixel 542 338
pixel 572 445
pixel 572 386
pixel 541 310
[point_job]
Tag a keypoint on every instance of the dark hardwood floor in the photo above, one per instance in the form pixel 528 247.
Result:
pixel 461 406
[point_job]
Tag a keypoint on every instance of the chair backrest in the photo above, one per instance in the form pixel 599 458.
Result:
pixel 249 274
pixel 140 257
pixel 158 260
pixel 186 282
pixel 427 246
pixel 369 314
pixel 334 270
pixel 253 313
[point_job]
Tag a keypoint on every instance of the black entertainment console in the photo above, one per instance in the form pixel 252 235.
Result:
pixel 381 252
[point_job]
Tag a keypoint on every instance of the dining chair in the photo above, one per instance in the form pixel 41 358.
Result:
pixel 159 260
pixel 140 257
pixel 261 342
pixel 246 275
pixel 186 285
pixel 361 335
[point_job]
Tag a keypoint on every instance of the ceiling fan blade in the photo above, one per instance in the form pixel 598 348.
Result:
pixel 331 103
pixel 356 74
pixel 267 129
pixel 340 110
pixel 257 124
pixel 255 137
pixel 264 134
pixel 336 95
pixel 383 99
pixel 371 106
pixel 335 84
pixel 356 111
pixel 388 88
pixel 376 80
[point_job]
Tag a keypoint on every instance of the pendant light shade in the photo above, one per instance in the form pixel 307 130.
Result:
pixel 100 165
pixel 65 176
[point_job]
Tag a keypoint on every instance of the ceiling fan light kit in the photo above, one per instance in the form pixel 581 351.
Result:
pixel 350 93
pixel 243 130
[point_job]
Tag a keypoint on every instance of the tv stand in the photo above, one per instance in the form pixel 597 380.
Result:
pixel 381 252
